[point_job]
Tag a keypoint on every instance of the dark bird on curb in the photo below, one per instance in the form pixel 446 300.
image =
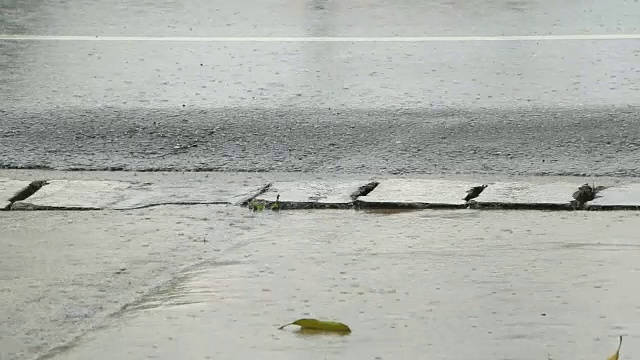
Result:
pixel 474 192
pixel 583 194
pixel 276 205
pixel 586 193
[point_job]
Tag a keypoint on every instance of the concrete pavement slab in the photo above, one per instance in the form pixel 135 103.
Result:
pixel 528 195
pixel 8 189
pixel 417 193
pixel 119 195
pixel 75 195
pixel 211 192
pixel 312 194
pixel 623 197
pixel 122 191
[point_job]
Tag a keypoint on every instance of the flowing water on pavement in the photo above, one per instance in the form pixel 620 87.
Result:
pixel 463 284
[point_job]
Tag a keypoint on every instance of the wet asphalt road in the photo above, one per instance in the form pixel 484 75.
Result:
pixel 566 107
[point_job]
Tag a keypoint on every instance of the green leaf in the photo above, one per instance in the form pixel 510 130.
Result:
pixel 256 206
pixel 313 324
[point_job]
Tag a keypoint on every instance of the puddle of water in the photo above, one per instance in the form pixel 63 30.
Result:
pixel 437 284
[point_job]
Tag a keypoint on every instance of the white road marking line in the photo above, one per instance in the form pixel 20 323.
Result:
pixel 326 39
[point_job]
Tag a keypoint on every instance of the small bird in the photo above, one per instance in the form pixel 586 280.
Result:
pixel 474 192
pixel 583 194
pixel 276 205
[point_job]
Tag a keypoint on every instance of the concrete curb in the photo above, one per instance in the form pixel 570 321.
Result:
pixel 395 193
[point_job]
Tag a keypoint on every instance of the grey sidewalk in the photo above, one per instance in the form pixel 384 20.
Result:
pixel 47 190
pixel 63 273
pixel 215 282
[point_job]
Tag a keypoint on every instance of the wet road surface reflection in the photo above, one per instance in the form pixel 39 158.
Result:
pixel 436 284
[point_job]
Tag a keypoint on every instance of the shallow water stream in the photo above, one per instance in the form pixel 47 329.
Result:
pixel 424 284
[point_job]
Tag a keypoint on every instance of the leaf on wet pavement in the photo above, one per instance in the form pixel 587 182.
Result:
pixel 313 324
pixel 616 355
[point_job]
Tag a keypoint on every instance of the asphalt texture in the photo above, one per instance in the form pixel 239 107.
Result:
pixel 509 107
pixel 593 142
